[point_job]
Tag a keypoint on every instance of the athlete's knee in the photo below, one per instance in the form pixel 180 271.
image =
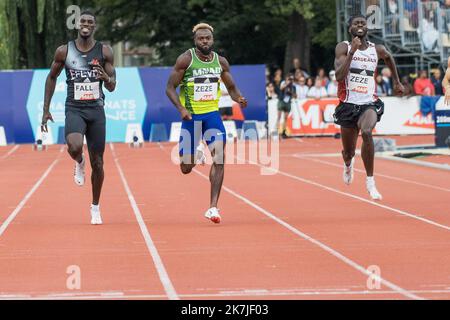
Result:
pixel 366 134
pixel 74 148
pixel 97 164
pixel 348 154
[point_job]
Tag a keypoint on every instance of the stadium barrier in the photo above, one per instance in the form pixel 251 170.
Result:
pixel 139 98
pixel 402 116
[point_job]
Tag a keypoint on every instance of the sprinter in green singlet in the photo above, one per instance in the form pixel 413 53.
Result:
pixel 199 71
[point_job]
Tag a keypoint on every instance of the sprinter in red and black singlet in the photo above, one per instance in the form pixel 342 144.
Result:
pixel 360 109
pixel 89 66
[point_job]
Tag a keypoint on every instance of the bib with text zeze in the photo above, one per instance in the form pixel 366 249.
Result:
pixel 206 89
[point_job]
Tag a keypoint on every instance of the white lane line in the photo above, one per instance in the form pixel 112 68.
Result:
pixel 162 273
pixel 22 203
pixel 323 246
pixel 249 293
pixel 377 174
pixel 404 213
pixel 10 152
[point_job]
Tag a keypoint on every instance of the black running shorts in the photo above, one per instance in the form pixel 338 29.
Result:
pixel 347 114
pixel 89 121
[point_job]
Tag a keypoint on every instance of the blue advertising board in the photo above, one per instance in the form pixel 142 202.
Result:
pixel 139 98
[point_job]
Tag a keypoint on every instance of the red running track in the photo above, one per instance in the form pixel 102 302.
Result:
pixel 297 234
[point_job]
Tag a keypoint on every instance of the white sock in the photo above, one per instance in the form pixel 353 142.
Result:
pixel 95 207
pixel 370 179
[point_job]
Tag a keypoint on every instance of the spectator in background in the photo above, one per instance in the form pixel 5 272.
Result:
pixel 332 88
pixel 387 80
pixel 406 82
pixel 437 82
pixel 393 16
pixel 301 89
pixel 429 33
pixel 423 85
pixel 270 92
pixel 322 77
pixel 318 91
pixel 296 64
pixel 309 83
pixel 381 88
pixel 411 11
pixel 277 79
pixel 284 103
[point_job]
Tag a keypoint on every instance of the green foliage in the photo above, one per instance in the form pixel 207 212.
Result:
pixel 250 31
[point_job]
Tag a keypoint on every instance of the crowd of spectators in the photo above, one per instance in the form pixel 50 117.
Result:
pixel 298 84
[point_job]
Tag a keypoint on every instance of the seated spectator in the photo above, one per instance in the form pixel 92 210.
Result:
pixel 309 82
pixel 318 91
pixel 301 88
pixel 429 35
pixel 381 88
pixel 423 85
pixel 406 82
pixel 393 16
pixel 411 11
pixel 332 88
pixel 437 82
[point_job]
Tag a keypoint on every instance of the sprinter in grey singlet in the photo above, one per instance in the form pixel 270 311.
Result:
pixel 89 65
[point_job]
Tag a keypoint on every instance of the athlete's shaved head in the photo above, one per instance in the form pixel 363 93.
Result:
pixel 202 26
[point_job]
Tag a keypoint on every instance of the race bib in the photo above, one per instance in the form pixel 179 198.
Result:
pixel 205 91
pixel 85 91
pixel 361 81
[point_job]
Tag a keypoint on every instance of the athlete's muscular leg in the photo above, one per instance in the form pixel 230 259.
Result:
pixel 98 175
pixel 217 171
pixel 367 123
pixel 75 145
pixel 349 137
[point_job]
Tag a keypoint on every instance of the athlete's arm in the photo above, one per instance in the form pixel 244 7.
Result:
pixel 175 78
pixel 390 62
pixel 446 83
pixel 227 79
pixel 108 73
pixel 50 84
pixel 343 60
